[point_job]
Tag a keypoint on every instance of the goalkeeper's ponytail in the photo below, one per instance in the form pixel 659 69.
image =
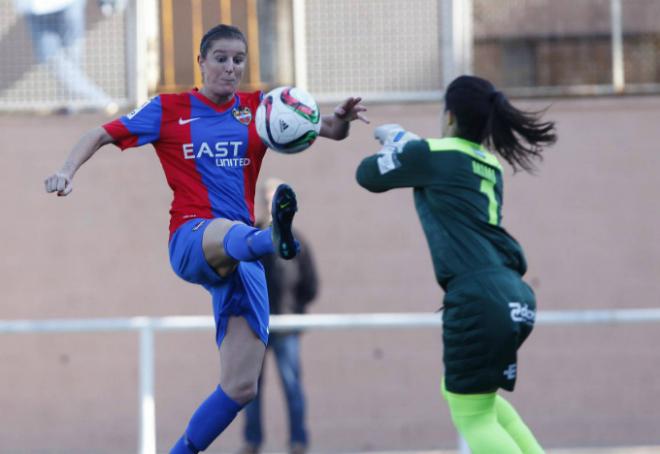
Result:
pixel 485 115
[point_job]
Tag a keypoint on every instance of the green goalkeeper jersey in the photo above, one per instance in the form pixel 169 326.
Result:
pixel 457 188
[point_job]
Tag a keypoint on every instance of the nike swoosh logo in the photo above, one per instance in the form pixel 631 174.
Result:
pixel 185 122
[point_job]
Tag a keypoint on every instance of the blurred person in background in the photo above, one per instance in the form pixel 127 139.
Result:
pixel 57 28
pixel 292 285
pixel 488 309
pixel 211 155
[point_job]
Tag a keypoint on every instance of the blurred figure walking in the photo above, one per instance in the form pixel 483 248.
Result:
pixel 57 28
pixel 292 286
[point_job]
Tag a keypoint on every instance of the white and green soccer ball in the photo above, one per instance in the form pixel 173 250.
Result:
pixel 288 120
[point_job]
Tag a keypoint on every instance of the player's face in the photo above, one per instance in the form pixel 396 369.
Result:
pixel 223 67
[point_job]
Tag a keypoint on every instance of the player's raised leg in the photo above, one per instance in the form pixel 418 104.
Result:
pixel 508 417
pixel 283 209
pixel 226 242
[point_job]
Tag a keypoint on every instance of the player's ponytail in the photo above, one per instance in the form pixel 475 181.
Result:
pixel 485 115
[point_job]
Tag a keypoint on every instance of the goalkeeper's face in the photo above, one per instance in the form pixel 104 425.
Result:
pixel 223 66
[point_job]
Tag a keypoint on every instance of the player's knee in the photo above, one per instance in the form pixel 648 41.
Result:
pixel 213 246
pixel 225 270
pixel 242 391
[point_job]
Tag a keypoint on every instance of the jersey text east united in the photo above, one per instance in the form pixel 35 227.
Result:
pixel 225 153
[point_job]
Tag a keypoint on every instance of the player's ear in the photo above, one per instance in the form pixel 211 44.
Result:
pixel 200 62
pixel 451 118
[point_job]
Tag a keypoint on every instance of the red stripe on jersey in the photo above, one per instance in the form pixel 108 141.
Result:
pixel 255 152
pixel 120 134
pixel 191 197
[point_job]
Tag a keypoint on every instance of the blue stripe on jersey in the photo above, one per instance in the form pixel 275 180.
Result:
pixel 146 125
pixel 220 145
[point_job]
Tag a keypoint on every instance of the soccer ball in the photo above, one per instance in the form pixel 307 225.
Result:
pixel 288 120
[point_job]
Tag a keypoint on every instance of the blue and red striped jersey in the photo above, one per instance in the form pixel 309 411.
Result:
pixel 211 153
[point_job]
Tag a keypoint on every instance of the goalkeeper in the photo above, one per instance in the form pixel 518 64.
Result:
pixel 488 309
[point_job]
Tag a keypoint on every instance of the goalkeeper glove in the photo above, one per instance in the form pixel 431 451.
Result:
pixel 394 136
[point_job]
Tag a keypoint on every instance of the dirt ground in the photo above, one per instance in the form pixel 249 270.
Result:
pixel 588 221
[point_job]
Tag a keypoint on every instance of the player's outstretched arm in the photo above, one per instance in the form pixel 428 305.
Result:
pixel 89 143
pixel 403 161
pixel 336 126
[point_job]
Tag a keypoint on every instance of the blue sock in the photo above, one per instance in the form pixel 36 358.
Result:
pixel 210 419
pixel 247 244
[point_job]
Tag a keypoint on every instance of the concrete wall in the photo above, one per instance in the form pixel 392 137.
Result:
pixel 588 221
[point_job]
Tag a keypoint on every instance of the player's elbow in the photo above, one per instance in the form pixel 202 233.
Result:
pixel 98 136
pixel 367 181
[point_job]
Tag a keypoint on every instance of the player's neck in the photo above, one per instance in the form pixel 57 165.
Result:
pixel 215 98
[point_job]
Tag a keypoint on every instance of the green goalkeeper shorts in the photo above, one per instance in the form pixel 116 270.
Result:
pixel 487 316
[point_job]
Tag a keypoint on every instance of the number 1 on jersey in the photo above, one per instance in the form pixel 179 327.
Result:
pixel 488 188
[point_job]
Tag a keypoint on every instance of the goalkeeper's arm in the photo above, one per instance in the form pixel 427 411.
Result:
pixel 401 162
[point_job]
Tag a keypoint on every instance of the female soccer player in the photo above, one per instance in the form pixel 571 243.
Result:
pixel 211 154
pixel 488 309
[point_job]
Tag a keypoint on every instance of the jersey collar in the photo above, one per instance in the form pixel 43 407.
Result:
pixel 472 149
pixel 220 108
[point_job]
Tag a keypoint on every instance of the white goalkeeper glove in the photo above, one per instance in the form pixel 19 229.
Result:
pixel 393 136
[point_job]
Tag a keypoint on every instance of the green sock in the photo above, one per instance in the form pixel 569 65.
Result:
pixel 476 420
pixel 514 425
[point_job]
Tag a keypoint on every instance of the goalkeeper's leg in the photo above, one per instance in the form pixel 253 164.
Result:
pixel 515 426
pixel 476 420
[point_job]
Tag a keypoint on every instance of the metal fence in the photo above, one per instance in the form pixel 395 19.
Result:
pixel 88 57
pixel 147 326
pixel 410 50
pixel 76 55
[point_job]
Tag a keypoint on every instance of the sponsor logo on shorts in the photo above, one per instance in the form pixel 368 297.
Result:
pixel 198 226
pixel 521 313
pixel 511 371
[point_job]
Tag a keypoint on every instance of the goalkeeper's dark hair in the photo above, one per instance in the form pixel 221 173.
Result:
pixel 485 115
pixel 221 31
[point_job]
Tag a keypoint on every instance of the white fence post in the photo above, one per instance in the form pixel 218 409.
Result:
pixel 300 43
pixel 618 71
pixel 147 402
pixel 457 39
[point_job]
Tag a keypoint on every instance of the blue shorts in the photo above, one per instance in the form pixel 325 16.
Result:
pixel 242 294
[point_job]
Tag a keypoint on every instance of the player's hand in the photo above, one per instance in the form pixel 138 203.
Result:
pixel 59 183
pixel 350 110
pixel 393 135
